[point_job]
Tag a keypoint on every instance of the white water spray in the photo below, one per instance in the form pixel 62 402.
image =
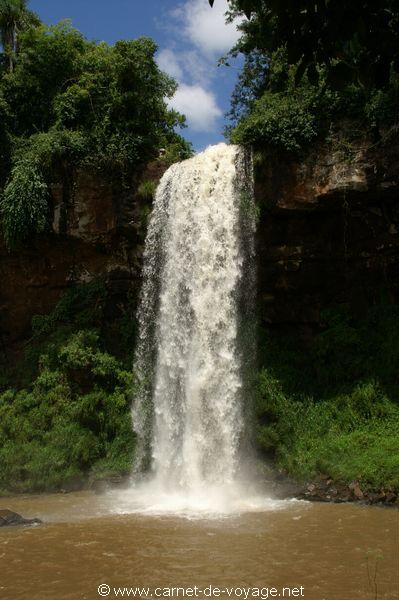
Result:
pixel 194 342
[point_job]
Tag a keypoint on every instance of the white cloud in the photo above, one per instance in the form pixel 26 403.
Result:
pixel 198 68
pixel 206 27
pixel 200 37
pixel 168 61
pixel 199 106
pixel 187 65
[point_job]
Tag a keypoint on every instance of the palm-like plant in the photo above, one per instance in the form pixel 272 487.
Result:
pixel 14 17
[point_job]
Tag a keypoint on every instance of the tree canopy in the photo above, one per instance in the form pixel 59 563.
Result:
pixel 14 18
pixel 309 65
pixel 354 40
pixel 69 101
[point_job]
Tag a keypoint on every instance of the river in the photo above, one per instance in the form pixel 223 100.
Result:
pixel 335 552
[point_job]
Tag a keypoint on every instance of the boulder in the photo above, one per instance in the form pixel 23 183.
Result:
pixel 8 517
pixel 355 489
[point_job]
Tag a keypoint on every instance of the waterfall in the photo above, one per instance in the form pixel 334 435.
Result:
pixel 196 326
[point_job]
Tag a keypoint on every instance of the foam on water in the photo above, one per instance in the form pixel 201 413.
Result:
pixel 210 502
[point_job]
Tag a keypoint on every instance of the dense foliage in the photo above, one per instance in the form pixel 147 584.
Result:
pixel 68 101
pixel 332 409
pixel 270 109
pixel 66 417
pixel 309 67
pixel 335 409
pixel 14 18
pixel 324 71
pixel 356 41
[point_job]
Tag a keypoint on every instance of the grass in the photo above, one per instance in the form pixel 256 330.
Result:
pixel 147 189
pixel 334 410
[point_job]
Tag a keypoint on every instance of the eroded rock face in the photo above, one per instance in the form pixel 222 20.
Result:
pixel 98 230
pixel 9 518
pixel 328 233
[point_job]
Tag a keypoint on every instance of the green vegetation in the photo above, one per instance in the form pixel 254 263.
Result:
pixel 147 189
pixel 312 66
pixel 67 418
pixel 271 109
pixel 67 102
pixel 324 71
pixel 285 116
pixel 356 41
pixel 14 18
pixel 335 408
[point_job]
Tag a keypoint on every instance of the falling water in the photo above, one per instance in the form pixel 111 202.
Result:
pixel 195 321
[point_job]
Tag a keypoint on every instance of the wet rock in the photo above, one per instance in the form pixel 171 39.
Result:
pixel 390 497
pixel 97 233
pixel 8 518
pixel 356 491
pixel 326 490
pixel 372 497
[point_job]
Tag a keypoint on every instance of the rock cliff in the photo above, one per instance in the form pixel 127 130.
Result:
pixel 328 235
pixel 328 232
pixel 97 230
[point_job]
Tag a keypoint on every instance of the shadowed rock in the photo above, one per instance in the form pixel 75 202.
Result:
pixel 8 517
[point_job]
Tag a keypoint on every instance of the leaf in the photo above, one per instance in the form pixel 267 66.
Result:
pixel 245 5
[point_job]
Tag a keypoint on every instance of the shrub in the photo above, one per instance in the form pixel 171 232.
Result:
pixel 334 409
pixel 81 305
pixel 177 151
pixel 25 203
pixel 74 420
pixel 147 189
pixel 273 107
pixel 283 122
pixel 24 206
pixel 70 419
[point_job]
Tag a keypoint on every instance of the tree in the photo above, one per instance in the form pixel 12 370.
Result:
pixel 70 102
pixel 310 66
pixel 354 40
pixel 14 17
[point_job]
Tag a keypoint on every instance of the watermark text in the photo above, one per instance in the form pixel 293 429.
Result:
pixel 210 591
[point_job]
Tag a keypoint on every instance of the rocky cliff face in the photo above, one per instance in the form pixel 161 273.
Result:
pixel 97 230
pixel 328 233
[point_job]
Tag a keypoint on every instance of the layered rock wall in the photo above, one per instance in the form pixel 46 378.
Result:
pixel 97 231
pixel 328 233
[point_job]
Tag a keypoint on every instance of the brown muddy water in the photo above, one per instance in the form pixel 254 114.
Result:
pixel 343 552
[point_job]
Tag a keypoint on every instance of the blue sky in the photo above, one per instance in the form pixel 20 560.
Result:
pixel 191 37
